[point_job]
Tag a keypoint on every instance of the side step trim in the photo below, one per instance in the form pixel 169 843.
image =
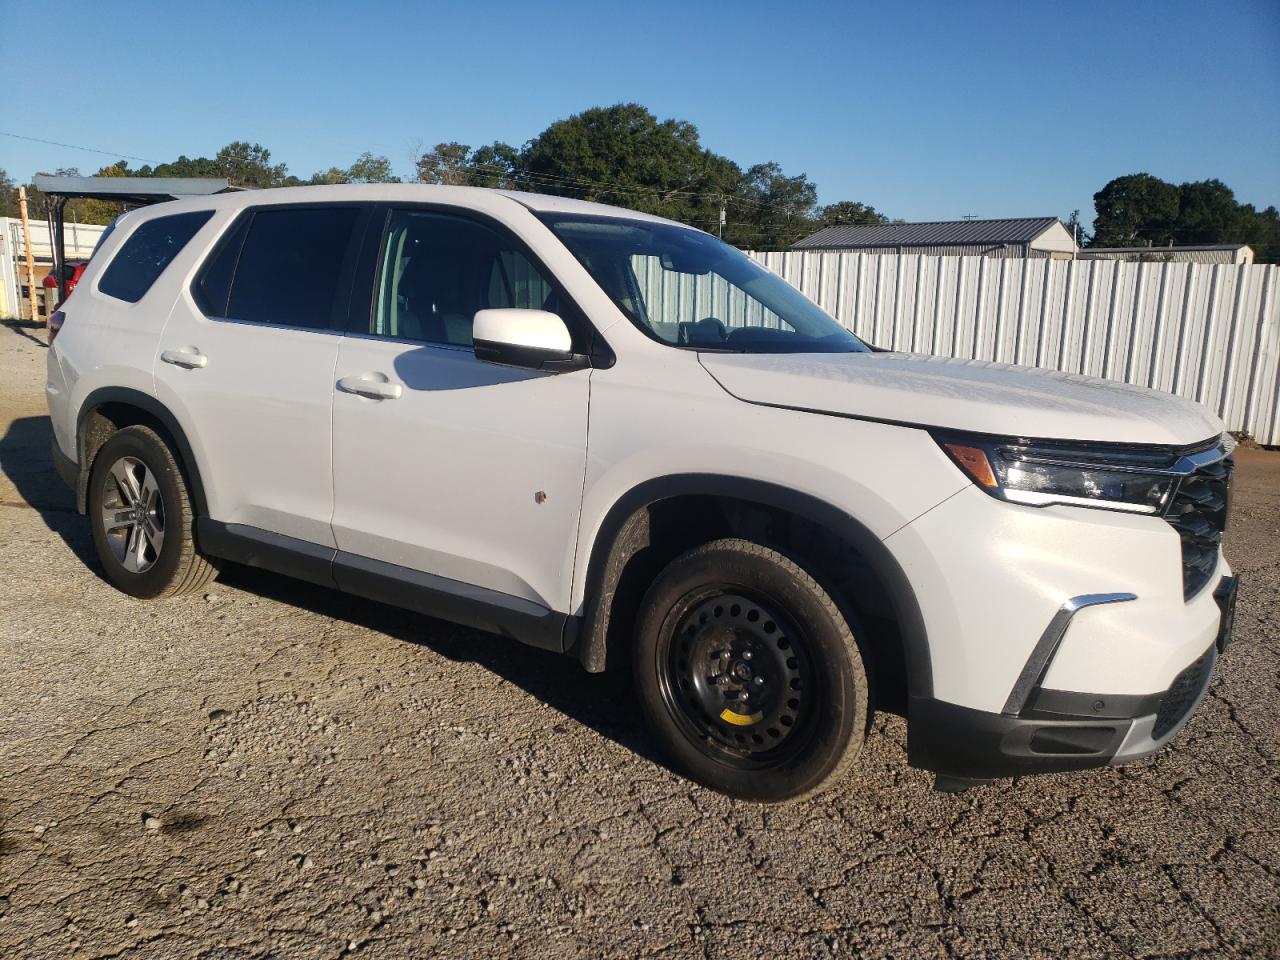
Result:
pixel 453 600
pixel 255 547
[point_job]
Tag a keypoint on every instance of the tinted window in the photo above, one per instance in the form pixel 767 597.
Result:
pixel 289 268
pixel 143 257
pixel 213 287
pixel 438 270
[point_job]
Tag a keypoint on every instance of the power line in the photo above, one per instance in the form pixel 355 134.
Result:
pixel 72 146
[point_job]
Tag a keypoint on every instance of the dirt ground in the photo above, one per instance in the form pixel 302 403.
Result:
pixel 272 770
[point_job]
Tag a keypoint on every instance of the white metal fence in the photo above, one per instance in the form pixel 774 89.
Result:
pixel 1210 332
pixel 80 240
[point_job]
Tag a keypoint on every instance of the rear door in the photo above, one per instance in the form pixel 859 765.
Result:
pixel 246 362
pixel 450 466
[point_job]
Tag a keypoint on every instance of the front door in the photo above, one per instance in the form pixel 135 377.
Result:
pixel 445 465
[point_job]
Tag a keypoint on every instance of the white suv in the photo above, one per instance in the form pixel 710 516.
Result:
pixel 611 435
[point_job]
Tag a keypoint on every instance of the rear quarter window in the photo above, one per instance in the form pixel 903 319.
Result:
pixel 145 254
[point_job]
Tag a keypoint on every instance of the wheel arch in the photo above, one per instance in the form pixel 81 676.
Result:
pixel 109 409
pixel 626 531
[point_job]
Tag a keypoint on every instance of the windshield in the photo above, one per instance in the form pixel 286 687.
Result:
pixel 688 289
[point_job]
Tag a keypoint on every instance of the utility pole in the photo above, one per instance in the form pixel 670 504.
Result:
pixel 31 263
pixel 722 218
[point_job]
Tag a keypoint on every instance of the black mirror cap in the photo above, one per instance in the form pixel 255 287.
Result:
pixel 531 358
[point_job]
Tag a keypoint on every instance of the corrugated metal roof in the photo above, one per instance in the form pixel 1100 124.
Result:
pixel 851 236
pixel 1181 248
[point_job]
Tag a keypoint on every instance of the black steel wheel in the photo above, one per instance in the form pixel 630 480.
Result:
pixel 749 673
pixel 736 677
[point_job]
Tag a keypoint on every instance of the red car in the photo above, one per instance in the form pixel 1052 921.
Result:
pixel 74 270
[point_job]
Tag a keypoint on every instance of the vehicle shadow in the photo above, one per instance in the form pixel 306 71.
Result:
pixel 23 327
pixel 25 460
pixel 603 702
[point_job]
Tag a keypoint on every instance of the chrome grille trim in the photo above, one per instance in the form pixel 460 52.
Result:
pixel 1198 509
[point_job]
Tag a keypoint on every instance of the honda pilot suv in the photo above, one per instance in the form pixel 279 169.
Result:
pixel 613 436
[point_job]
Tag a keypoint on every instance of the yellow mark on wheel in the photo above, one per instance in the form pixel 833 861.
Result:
pixel 739 719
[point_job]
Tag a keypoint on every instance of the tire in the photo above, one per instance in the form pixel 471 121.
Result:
pixel 142 519
pixel 731 617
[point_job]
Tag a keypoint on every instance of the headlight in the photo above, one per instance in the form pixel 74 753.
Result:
pixel 1084 475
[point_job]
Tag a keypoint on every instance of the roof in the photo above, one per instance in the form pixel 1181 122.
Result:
pixel 131 189
pixel 934 234
pixel 1180 247
pixel 478 197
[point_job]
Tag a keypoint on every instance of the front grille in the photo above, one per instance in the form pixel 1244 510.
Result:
pixel 1181 695
pixel 1198 511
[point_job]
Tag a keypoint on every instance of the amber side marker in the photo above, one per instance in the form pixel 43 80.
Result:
pixel 975 463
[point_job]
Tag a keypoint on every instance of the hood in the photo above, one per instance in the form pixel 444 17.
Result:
pixel 964 395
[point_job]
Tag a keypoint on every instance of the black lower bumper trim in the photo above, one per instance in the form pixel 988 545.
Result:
pixel 957 741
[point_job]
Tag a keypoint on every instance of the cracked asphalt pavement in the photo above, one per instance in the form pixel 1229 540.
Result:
pixel 269 769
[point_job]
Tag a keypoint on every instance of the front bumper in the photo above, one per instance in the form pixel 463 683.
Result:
pixel 1058 730
pixel 68 470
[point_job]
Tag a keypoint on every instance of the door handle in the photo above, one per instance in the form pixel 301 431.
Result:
pixel 189 358
pixel 367 386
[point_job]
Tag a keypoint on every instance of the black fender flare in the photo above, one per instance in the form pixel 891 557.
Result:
pixel 154 409
pixel 626 521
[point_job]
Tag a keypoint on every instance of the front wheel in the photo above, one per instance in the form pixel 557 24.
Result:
pixel 748 673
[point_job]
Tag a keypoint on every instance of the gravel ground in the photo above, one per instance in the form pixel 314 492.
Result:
pixel 270 769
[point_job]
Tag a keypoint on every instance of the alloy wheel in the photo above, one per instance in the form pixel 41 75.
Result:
pixel 133 515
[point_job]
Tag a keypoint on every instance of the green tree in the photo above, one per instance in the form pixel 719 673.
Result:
pixel 1134 210
pixel 784 206
pixel 184 166
pixel 371 169
pixel 447 163
pixel 249 165
pixel 495 165
pixel 366 169
pixel 1207 212
pixel 1142 210
pixel 8 195
pixel 332 175
pixel 624 154
pixel 1076 228
pixel 848 212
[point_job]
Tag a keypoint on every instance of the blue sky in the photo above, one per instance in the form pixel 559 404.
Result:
pixel 926 111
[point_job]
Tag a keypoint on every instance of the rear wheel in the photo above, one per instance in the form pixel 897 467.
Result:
pixel 143 524
pixel 749 674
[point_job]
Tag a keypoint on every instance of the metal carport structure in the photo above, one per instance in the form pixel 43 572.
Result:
pixel 130 191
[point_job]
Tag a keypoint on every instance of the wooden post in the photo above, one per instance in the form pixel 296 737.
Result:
pixel 31 263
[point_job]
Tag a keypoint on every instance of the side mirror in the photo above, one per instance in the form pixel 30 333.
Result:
pixel 534 339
